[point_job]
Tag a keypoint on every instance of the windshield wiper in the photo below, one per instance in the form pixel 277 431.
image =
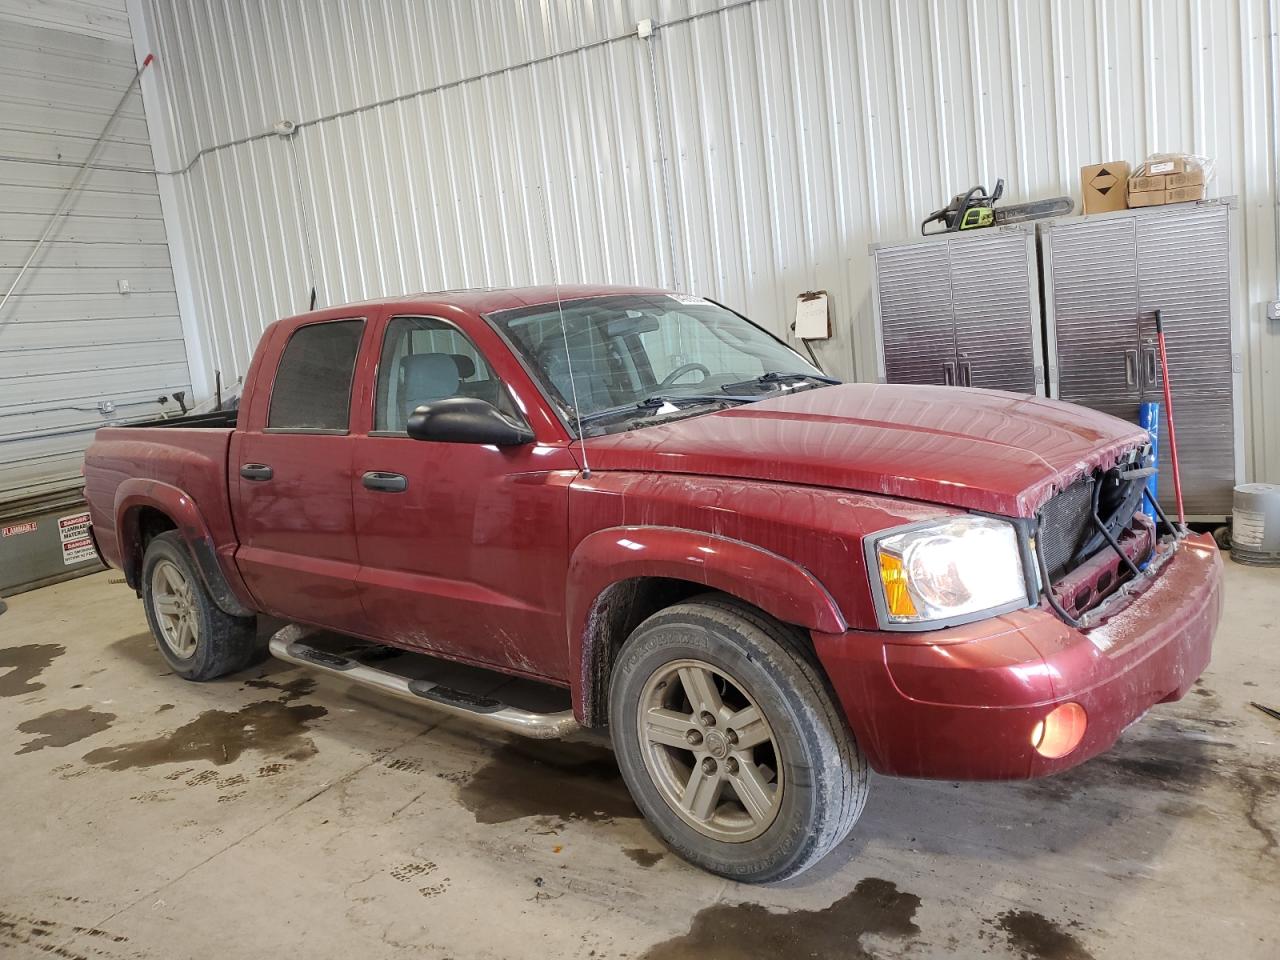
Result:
pixel 656 403
pixel 774 376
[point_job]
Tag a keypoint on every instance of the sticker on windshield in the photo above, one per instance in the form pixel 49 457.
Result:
pixel 689 301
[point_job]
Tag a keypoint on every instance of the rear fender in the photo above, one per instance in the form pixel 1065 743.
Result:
pixel 137 493
pixel 609 557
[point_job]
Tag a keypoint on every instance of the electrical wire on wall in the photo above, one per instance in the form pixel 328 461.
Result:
pixel 288 135
pixel 645 32
pixel 64 205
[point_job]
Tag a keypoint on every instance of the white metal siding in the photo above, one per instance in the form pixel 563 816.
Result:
pixel 104 19
pixel 68 338
pixel 771 142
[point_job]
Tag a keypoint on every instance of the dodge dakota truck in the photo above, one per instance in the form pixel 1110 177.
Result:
pixel 762 582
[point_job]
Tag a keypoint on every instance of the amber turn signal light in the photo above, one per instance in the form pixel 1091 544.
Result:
pixel 1060 731
pixel 894 577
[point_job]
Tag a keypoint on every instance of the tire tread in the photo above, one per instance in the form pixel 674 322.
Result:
pixel 816 704
pixel 228 644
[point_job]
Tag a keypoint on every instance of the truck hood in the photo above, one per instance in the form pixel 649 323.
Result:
pixel 1002 453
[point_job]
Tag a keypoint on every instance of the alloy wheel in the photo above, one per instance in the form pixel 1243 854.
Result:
pixel 710 750
pixel 173 601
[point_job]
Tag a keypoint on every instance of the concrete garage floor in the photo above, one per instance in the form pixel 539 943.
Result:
pixel 271 814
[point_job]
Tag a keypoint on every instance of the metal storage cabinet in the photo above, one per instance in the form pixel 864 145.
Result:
pixel 961 308
pixel 1104 278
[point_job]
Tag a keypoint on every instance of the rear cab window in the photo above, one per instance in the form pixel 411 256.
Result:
pixel 312 388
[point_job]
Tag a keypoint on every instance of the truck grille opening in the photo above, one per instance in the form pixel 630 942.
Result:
pixel 1065 523
pixel 1068 536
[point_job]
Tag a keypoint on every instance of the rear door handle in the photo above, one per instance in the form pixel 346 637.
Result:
pixel 1131 368
pixel 949 373
pixel 386 482
pixel 255 471
pixel 966 373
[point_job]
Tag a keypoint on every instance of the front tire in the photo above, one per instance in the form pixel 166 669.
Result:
pixel 730 742
pixel 194 635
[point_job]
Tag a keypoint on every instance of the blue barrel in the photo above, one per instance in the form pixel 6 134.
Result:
pixel 1149 420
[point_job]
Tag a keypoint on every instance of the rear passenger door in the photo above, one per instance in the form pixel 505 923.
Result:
pixel 462 546
pixel 291 466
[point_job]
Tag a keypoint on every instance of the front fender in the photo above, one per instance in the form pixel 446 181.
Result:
pixel 766 580
pixel 138 492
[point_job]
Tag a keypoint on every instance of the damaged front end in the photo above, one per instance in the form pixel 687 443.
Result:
pixel 1094 547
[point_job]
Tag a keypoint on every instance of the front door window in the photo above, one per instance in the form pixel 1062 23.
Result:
pixel 425 360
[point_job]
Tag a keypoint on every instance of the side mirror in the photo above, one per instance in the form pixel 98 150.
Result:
pixel 466 420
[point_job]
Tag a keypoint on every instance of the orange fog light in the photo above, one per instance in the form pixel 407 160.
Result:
pixel 1060 731
pixel 894 578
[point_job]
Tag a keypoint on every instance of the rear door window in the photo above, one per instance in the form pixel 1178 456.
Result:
pixel 312 390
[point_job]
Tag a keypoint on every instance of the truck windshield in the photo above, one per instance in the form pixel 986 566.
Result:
pixel 637 358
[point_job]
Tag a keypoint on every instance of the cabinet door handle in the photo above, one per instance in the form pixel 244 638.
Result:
pixel 966 373
pixel 385 482
pixel 1131 368
pixel 1149 366
pixel 255 471
pixel 949 373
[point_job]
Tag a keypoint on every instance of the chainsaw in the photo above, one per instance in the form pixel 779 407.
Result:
pixel 977 208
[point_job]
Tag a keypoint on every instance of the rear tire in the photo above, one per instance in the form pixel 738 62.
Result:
pixel 761 778
pixel 194 635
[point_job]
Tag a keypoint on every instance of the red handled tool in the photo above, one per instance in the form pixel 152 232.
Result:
pixel 1168 412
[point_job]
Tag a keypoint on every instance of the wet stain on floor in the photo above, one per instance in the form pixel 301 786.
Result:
pixel 61 728
pixel 1178 761
pixel 567 781
pixel 746 930
pixel 1257 788
pixel 1036 937
pixel 24 664
pixel 1168 763
pixel 293 690
pixel 646 858
pixel 270 727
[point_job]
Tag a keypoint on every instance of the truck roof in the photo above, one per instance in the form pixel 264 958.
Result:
pixel 488 299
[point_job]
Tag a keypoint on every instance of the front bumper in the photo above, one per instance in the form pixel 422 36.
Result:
pixel 960 704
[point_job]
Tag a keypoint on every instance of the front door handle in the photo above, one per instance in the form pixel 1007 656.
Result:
pixel 966 373
pixel 255 471
pixel 386 482
pixel 1131 368
pixel 949 373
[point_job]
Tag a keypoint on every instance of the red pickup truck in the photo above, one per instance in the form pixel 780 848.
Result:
pixel 761 581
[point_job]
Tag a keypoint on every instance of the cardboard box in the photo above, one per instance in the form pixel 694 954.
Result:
pixel 1174 165
pixel 1147 184
pixel 1183 194
pixel 1174 179
pixel 1103 186
pixel 1148 198
pixel 1192 178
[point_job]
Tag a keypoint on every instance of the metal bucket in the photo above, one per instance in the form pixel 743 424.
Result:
pixel 1255 523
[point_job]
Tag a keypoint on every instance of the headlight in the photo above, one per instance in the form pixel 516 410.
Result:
pixel 947 571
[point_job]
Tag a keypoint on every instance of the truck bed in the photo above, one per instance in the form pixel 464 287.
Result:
pixel 186 454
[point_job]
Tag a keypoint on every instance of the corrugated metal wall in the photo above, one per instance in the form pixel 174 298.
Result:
pixel 749 151
pixel 68 338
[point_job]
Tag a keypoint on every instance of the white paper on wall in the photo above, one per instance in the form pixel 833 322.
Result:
pixel 813 321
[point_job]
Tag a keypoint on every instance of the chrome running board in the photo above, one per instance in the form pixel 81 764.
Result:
pixel 288 645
